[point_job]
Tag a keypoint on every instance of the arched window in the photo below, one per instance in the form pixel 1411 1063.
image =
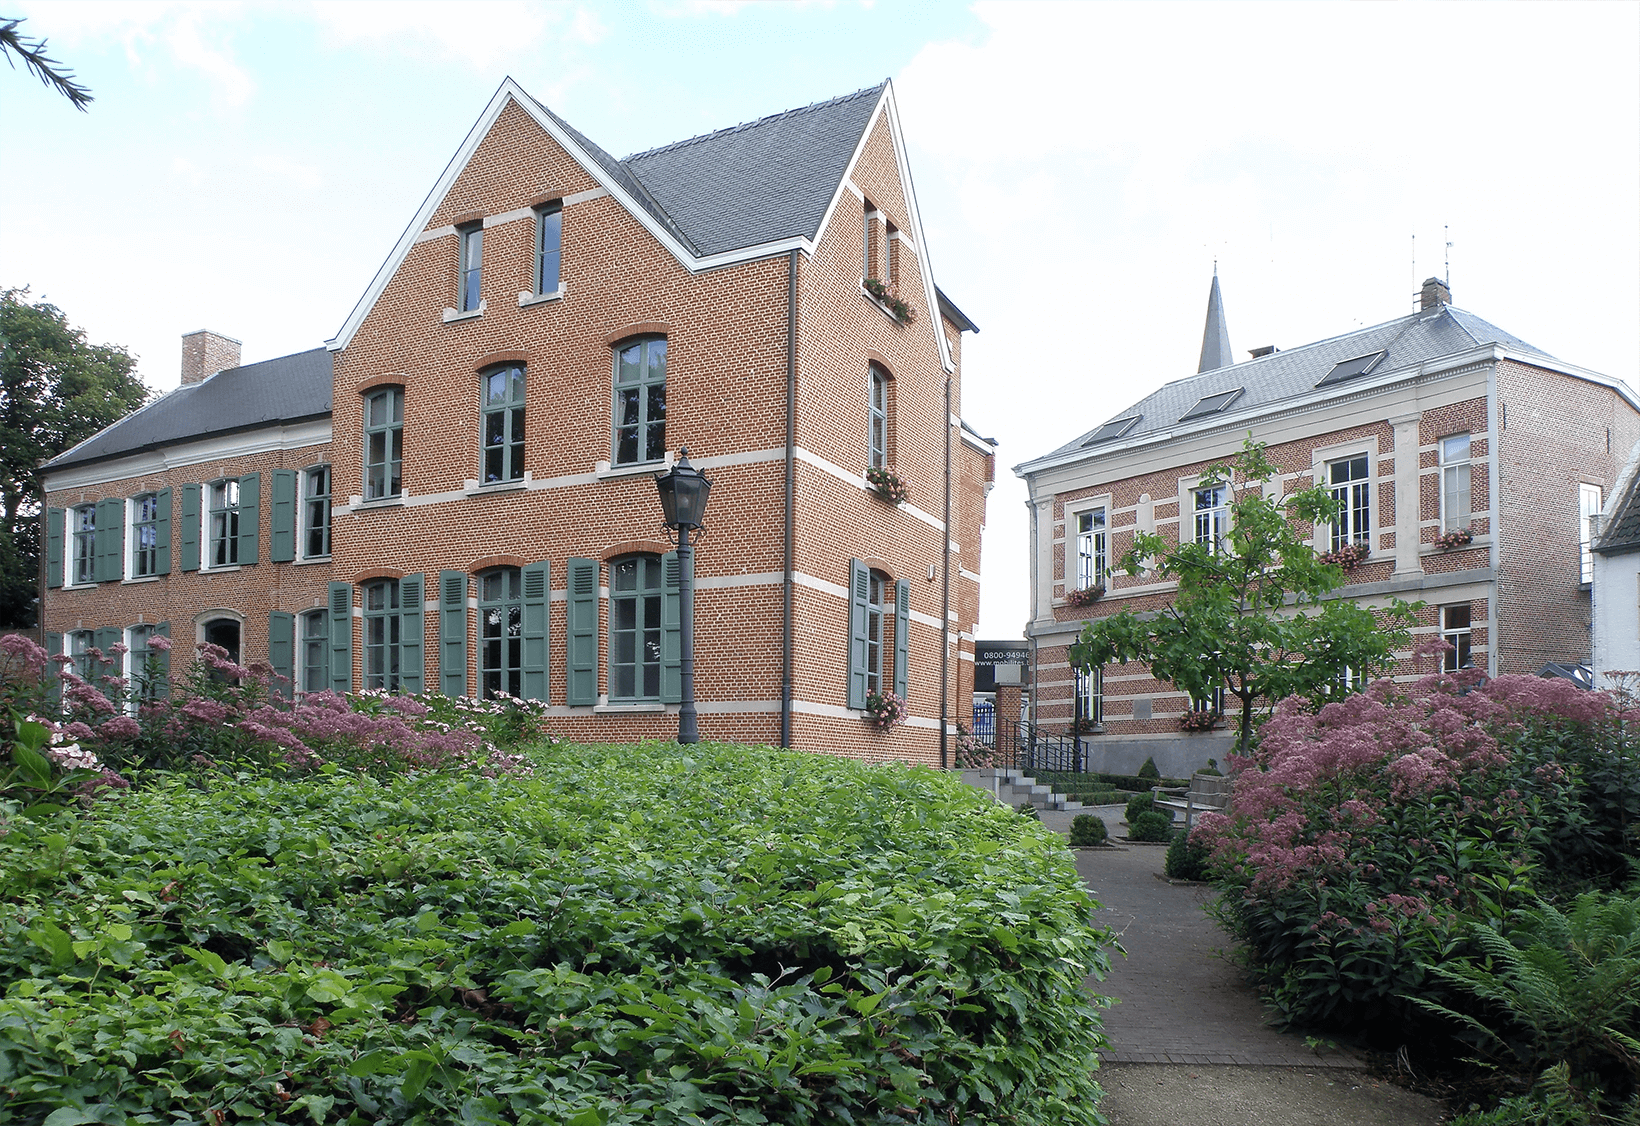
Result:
pixel 635 592
pixel 877 417
pixel 500 632
pixel 223 632
pixel 640 401
pixel 502 424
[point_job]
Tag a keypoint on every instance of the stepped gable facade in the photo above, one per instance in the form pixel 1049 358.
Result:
pixel 1468 462
pixel 457 493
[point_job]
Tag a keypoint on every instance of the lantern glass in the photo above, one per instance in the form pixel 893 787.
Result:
pixel 683 492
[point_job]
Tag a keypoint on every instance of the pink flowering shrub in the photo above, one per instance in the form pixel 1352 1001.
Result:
pixel 224 715
pixel 1366 835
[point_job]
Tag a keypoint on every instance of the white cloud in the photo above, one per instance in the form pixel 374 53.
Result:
pixel 483 36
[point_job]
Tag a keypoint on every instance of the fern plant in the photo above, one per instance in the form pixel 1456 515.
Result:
pixel 1568 987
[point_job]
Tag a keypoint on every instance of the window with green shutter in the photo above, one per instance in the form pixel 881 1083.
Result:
pixel 902 635
pixel 162 532
pixel 314 654
pixel 56 518
pixel 340 613
pixel 537 607
pixel 859 607
pixel 412 634
pixel 250 518
pixel 501 632
pixel 581 664
pixel 452 633
pixel 144 535
pixel 282 651
pixel 282 517
pixel 110 540
pixel 382 635
pixel 672 628
pixel 223 539
pixel 82 560
pixel 188 534
pixel 316 512
pixel 635 628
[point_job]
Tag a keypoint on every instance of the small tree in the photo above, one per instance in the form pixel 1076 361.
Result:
pixel 1252 614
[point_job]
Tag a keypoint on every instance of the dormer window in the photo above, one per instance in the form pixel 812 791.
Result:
pixel 1350 369
pixel 1113 429
pixel 1212 404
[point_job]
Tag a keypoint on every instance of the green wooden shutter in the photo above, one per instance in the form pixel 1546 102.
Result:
pixel 54 671
pixel 452 633
pixel 902 634
pixel 581 665
pixel 250 516
pixel 671 629
pixel 162 532
pixel 105 639
pixel 412 634
pixel 110 540
pixel 537 592
pixel 282 518
pixel 188 515
pixel 859 603
pixel 54 550
pixel 282 651
pixel 341 638
pixel 162 662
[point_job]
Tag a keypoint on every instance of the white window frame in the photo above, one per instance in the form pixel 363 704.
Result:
pixel 1212 702
pixel 128 552
pixel 82 656
pixel 1453 661
pixel 71 554
pixel 470 274
pixel 1090 690
pixel 304 522
pixel 207 534
pixel 1354 524
pixel 300 656
pixel 1218 515
pixel 1590 500
pixel 877 380
pixel 1090 549
pixel 1456 476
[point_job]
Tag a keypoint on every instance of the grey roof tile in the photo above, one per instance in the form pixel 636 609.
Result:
pixel 761 181
pixel 261 394
pixel 1408 340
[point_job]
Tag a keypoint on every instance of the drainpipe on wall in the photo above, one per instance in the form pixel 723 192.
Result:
pixel 945 596
pixel 788 586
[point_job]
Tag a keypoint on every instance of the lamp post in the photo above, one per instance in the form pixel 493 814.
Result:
pixel 683 490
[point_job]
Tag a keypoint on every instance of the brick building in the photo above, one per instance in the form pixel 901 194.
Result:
pixel 457 492
pixel 1426 425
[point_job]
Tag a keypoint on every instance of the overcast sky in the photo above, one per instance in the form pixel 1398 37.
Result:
pixel 247 167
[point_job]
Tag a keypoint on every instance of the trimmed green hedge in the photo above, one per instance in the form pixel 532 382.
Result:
pixel 656 934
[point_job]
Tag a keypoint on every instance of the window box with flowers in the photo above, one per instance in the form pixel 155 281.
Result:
pixel 895 308
pixel 1084 597
pixel 887 484
pixel 1348 557
pixel 884 710
pixel 1200 721
pixel 1458 537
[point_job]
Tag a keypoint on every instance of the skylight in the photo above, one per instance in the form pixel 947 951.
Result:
pixel 1115 428
pixel 1212 404
pixel 1349 369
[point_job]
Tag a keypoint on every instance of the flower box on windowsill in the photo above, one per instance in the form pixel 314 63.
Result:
pixel 887 484
pixel 1086 596
pixel 1348 557
pixel 884 710
pixel 893 306
pixel 1200 721
pixel 1460 537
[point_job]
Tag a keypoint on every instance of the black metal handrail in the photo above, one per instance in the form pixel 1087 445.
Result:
pixel 1015 745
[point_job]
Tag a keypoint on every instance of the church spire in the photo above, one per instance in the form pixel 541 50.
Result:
pixel 1215 336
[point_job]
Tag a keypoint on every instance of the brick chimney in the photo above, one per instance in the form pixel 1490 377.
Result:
pixel 1434 293
pixel 204 353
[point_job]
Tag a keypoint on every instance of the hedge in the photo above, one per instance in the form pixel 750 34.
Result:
pixel 656 934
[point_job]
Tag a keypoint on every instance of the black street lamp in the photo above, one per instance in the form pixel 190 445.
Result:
pixel 683 491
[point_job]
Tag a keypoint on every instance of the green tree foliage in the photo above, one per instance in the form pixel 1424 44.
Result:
pixel 56 390
pixel 1256 616
pixel 14 45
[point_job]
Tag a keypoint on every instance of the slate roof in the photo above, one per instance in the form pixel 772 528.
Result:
pixel 288 389
pixel 1290 374
pixel 754 183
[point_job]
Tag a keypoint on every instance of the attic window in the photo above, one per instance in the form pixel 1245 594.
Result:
pixel 1113 429
pixel 1212 404
pixel 1349 369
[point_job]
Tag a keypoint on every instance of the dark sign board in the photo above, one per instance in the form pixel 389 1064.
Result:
pixel 1002 652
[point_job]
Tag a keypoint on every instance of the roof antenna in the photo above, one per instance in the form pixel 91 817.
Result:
pixel 1415 271
pixel 1446 231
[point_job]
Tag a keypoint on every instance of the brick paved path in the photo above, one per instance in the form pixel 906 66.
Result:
pixel 1180 1003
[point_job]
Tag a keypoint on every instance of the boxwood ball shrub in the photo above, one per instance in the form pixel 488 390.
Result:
pixel 651 934
pixel 1186 857
pixel 1137 804
pixel 1088 829
pixel 1151 826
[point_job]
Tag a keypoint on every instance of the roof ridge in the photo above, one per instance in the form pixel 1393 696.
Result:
pixel 745 125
